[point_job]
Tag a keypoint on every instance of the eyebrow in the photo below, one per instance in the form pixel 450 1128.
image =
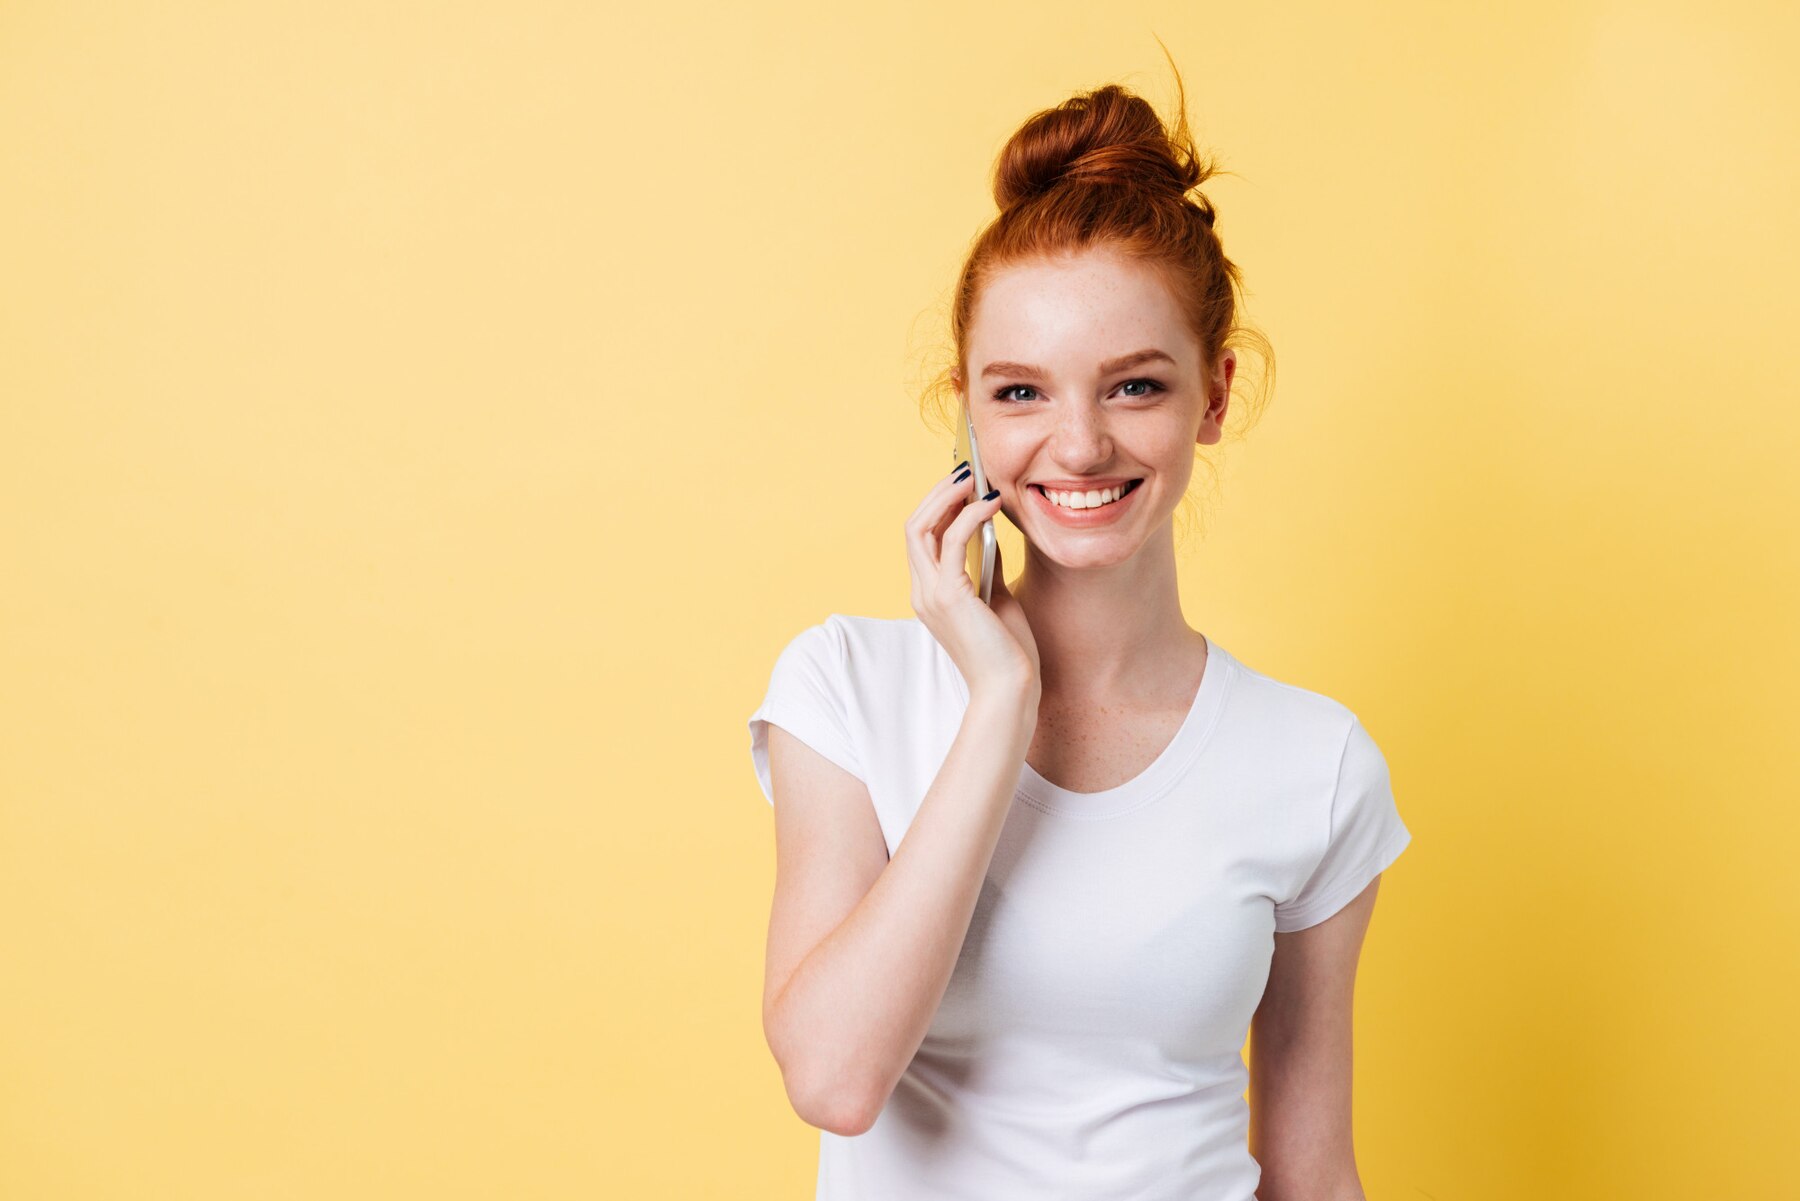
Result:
pixel 1107 368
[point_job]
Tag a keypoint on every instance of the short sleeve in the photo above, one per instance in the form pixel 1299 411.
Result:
pixel 1366 835
pixel 806 698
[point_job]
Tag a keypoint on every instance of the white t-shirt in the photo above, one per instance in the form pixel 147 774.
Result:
pixel 1089 1044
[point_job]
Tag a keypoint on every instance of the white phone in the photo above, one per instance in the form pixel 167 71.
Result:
pixel 982 547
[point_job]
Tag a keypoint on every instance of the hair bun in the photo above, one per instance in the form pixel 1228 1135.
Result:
pixel 1106 137
pixel 1102 174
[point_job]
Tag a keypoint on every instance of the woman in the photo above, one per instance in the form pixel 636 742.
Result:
pixel 1041 867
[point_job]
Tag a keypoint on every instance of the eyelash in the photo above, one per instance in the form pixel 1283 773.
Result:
pixel 1155 386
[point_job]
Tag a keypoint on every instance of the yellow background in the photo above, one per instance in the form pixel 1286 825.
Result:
pixel 422 425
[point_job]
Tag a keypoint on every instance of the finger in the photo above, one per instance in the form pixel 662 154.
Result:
pixel 961 494
pixel 925 527
pixel 953 556
pixel 931 505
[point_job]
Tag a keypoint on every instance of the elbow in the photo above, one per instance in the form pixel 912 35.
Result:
pixel 831 1105
pixel 822 1089
pixel 845 1119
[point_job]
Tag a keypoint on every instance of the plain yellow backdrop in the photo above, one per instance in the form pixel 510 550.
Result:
pixel 421 425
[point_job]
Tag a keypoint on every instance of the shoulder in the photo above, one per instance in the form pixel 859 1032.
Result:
pixel 892 636
pixel 1277 715
pixel 887 651
pixel 873 650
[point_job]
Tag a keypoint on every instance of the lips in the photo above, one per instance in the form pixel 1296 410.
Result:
pixel 1130 487
pixel 1093 485
pixel 1085 518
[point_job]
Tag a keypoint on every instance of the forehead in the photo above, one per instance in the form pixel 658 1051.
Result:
pixel 1073 312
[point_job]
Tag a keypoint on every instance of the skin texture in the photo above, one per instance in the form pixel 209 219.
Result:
pixel 1119 661
pixel 1103 603
pixel 1300 1056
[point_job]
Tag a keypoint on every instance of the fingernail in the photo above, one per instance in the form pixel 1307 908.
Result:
pixel 959 479
pixel 960 465
pixel 992 495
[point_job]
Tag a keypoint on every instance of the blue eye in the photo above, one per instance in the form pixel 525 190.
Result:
pixel 1155 386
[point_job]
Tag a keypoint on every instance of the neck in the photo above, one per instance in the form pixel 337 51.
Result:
pixel 1116 630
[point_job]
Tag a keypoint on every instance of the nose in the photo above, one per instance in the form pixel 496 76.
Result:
pixel 1081 444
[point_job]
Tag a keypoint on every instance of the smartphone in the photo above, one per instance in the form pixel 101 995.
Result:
pixel 983 546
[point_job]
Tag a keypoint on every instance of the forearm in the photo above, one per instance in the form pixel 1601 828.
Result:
pixel 857 1008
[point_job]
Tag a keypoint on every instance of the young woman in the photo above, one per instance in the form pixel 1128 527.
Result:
pixel 1042 866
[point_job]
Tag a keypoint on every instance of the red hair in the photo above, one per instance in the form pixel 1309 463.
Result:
pixel 1100 170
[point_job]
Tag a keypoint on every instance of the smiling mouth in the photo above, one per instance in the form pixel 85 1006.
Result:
pixel 1130 487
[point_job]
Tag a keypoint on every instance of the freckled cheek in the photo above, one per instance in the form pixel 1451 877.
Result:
pixel 1005 454
pixel 1005 459
pixel 1169 450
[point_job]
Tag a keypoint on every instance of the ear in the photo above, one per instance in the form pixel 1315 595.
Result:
pixel 1218 399
pixel 1226 372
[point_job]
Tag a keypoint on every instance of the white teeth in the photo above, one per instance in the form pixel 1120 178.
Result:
pixel 1086 500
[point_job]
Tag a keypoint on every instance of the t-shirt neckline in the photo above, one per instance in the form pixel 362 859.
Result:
pixel 1163 772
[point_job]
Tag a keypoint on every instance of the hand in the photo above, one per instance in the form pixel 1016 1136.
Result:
pixel 992 645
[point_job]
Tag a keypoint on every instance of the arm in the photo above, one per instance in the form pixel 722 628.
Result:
pixel 1300 1061
pixel 861 948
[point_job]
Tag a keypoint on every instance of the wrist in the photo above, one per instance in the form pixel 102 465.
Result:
pixel 1012 707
